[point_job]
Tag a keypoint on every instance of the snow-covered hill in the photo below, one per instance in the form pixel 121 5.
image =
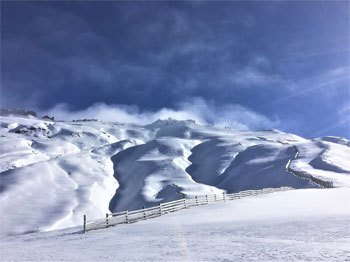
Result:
pixel 54 172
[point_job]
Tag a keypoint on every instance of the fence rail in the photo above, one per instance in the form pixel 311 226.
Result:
pixel 304 175
pixel 127 217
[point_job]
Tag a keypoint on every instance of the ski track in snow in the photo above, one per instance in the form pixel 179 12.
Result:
pixel 54 172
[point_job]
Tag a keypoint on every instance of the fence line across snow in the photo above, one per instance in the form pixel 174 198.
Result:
pixel 127 217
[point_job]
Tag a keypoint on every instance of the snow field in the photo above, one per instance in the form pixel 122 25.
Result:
pixel 308 224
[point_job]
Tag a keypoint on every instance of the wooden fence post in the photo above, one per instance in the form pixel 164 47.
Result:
pixel 144 212
pixel 196 200
pixel 84 224
pixel 223 197
pixel 160 209
pixel 215 197
pixel 185 202
pixel 126 217
pixel 107 220
pixel 206 196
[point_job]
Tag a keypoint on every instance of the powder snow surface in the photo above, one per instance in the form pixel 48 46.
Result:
pixel 52 173
pixel 297 225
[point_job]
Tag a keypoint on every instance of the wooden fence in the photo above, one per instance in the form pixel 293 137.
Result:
pixel 128 217
pixel 304 175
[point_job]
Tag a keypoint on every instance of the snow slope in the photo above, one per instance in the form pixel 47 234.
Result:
pixel 54 172
pixel 298 225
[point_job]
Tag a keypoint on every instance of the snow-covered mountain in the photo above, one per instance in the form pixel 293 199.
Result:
pixel 54 172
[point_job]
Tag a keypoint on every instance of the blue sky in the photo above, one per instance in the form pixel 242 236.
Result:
pixel 253 64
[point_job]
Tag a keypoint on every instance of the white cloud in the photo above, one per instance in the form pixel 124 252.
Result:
pixel 235 116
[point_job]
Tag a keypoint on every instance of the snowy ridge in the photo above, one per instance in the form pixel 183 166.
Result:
pixel 53 173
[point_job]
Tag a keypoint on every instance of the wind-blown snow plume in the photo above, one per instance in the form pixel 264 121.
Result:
pixel 232 115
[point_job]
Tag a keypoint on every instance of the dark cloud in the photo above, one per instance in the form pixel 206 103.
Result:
pixel 157 54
